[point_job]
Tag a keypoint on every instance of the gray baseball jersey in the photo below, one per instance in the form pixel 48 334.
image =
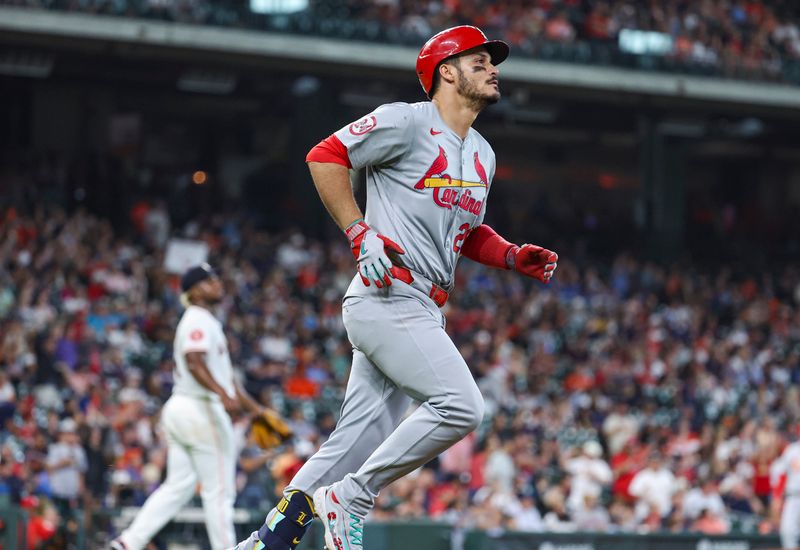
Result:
pixel 426 187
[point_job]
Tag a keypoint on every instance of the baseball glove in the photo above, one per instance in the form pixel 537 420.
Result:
pixel 269 429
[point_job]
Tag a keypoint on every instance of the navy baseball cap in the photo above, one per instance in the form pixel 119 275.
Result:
pixel 196 274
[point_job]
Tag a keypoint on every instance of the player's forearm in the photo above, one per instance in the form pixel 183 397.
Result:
pixel 199 369
pixel 485 246
pixel 333 185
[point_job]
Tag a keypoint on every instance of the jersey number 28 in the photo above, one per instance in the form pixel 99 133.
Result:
pixel 463 231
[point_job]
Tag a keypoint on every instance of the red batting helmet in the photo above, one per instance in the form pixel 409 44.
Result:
pixel 454 41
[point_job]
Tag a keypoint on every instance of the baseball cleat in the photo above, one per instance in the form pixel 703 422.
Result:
pixel 343 530
pixel 250 543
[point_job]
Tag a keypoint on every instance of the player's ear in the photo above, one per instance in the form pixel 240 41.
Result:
pixel 447 72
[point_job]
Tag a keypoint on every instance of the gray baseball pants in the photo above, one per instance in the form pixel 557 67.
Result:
pixel 401 353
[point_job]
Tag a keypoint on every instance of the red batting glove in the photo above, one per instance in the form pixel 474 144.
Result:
pixel 372 251
pixel 533 261
pixel 389 246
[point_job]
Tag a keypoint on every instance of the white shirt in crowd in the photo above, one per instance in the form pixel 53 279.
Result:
pixel 66 481
pixel 653 488
pixel 526 516
pixel 7 393
pixel 500 470
pixel 619 429
pixel 697 500
pixel 589 476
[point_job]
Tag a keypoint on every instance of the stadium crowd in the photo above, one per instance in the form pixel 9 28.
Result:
pixel 740 38
pixel 630 396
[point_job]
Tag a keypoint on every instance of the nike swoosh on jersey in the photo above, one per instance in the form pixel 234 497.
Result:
pixel 434 132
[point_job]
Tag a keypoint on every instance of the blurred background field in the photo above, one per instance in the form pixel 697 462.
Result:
pixel 639 400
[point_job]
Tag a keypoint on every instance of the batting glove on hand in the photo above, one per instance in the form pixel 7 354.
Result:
pixel 370 251
pixel 533 261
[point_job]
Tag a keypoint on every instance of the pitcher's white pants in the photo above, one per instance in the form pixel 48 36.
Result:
pixel 200 448
pixel 401 352
pixel 790 523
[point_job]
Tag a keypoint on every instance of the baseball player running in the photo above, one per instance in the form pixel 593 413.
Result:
pixel 197 422
pixel 428 177
pixel 785 473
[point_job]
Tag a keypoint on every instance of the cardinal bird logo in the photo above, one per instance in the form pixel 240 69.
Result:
pixel 480 170
pixel 437 168
pixel 448 192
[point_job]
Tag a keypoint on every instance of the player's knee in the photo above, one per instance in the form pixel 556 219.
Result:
pixel 186 485
pixel 475 407
pixel 464 411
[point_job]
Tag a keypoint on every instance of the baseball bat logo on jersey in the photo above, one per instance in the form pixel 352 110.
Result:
pixel 363 126
pixel 444 194
pixel 437 169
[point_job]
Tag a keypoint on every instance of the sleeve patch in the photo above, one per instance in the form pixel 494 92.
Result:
pixel 363 126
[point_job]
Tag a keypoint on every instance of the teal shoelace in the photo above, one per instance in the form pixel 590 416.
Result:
pixel 356 530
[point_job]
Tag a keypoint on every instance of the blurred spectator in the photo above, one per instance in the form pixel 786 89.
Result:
pixel 67 465
pixel 43 523
pixel 591 515
pixel 619 427
pixel 653 488
pixel 709 523
pixel 255 486
pixel 625 465
pixel 458 458
pixel 156 225
pixel 739 498
pixel 557 519
pixel 590 475
pixel 499 470
pixel 526 516
pixel 8 398
pixel 705 498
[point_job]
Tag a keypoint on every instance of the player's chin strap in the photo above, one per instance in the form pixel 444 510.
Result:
pixel 287 522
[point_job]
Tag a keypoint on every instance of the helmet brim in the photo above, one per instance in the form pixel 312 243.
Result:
pixel 498 51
